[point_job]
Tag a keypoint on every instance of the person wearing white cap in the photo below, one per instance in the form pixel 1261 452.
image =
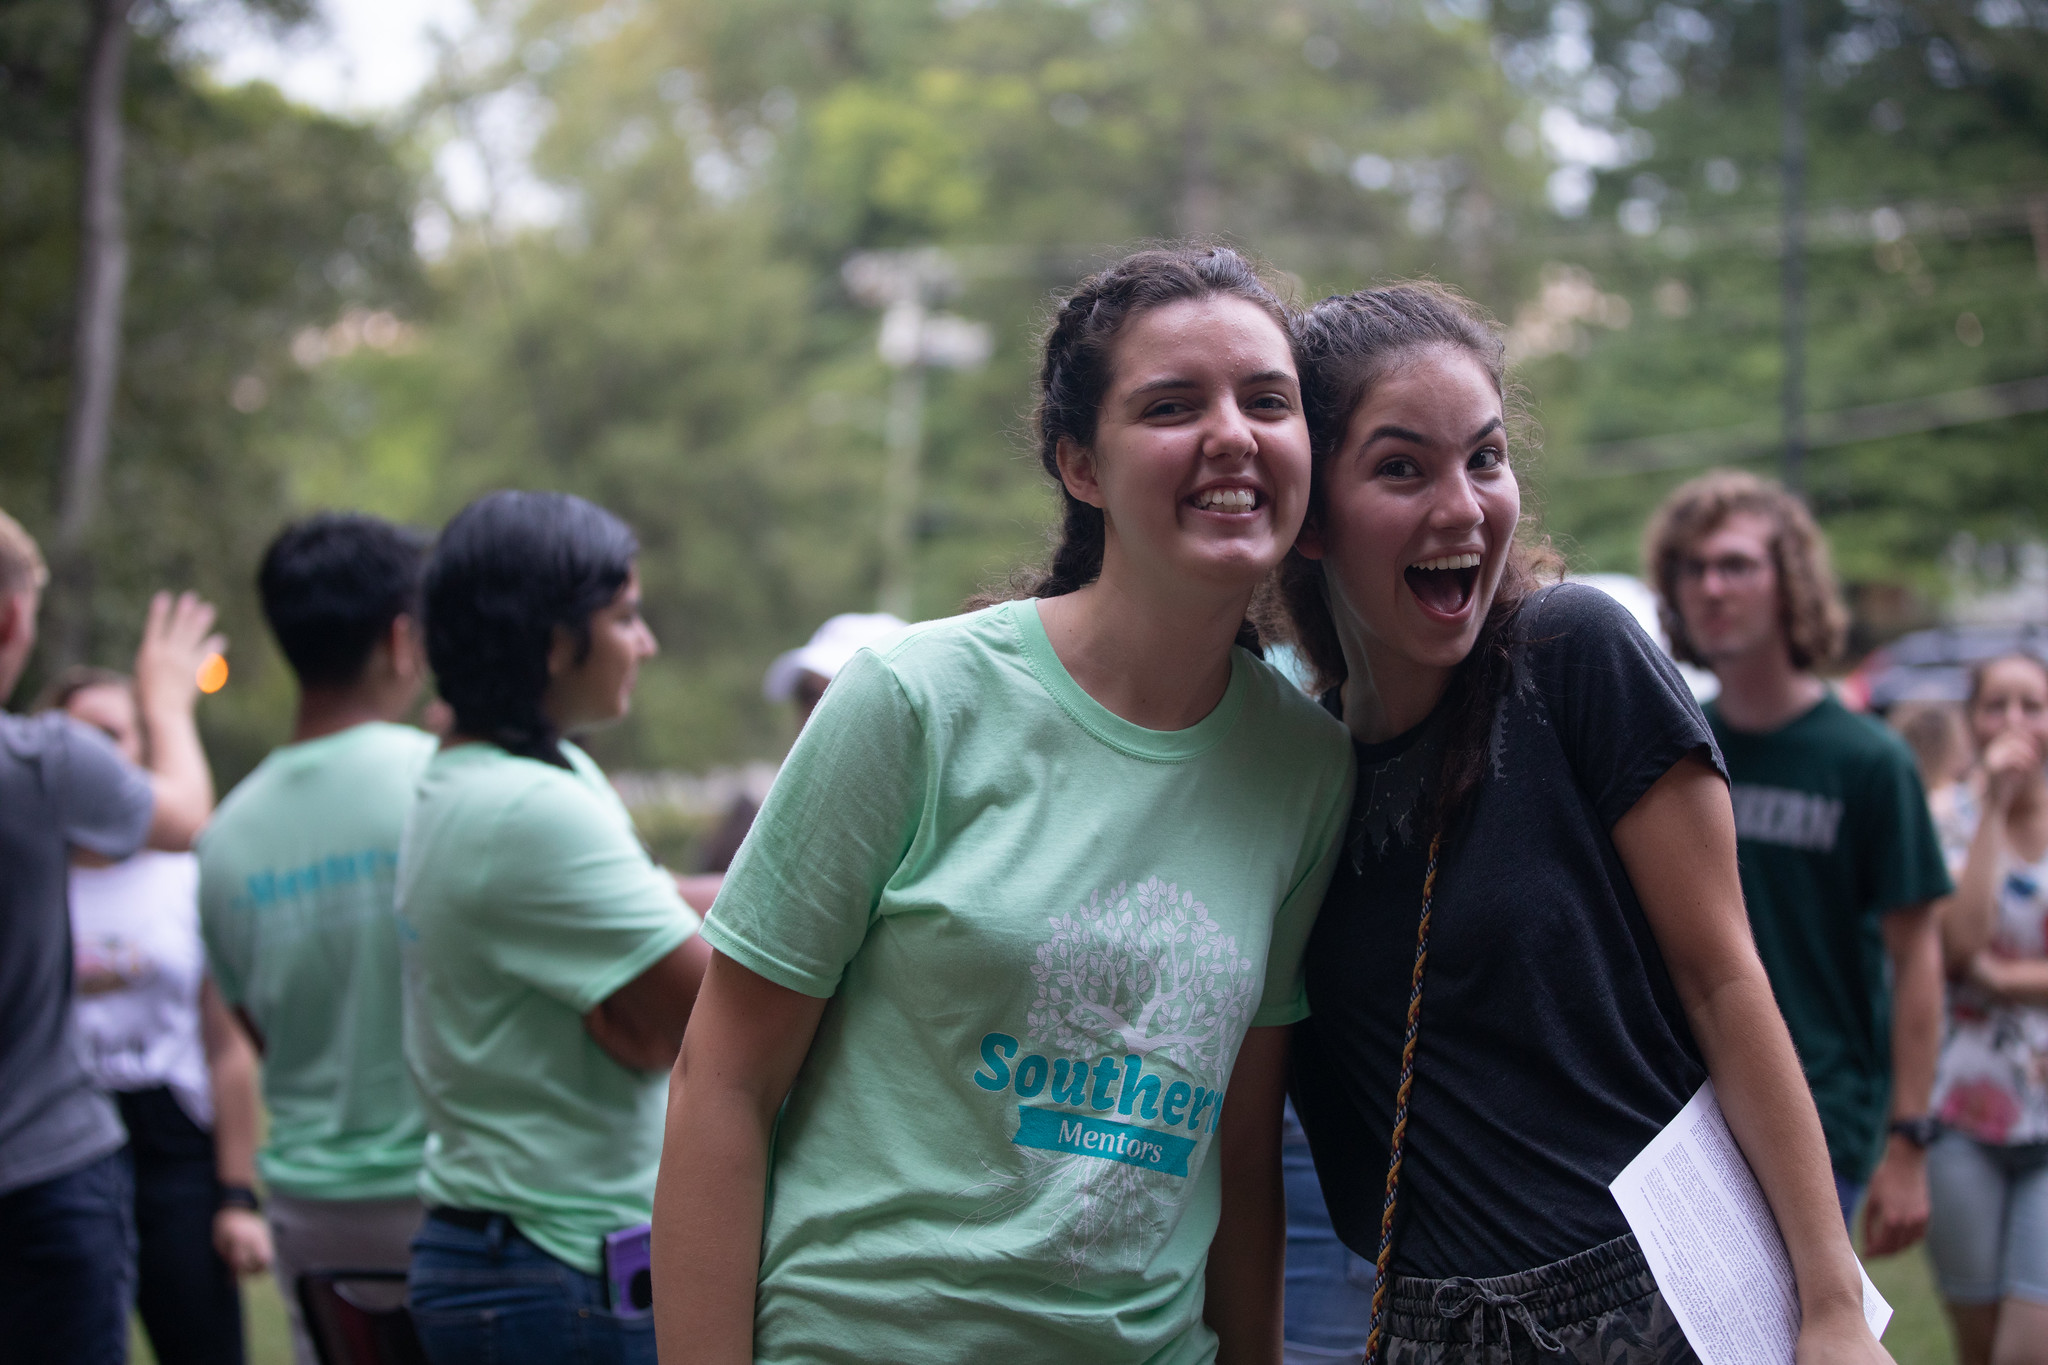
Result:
pixel 800 675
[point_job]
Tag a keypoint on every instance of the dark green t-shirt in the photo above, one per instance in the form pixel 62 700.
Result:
pixel 1833 832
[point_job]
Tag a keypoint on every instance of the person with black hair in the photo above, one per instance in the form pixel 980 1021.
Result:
pixel 1004 966
pixel 1534 950
pixel 550 966
pixel 295 886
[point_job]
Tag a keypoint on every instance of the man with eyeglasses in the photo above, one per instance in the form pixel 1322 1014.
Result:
pixel 1840 862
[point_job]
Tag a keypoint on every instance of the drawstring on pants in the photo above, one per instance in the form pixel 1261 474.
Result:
pixel 1461 1298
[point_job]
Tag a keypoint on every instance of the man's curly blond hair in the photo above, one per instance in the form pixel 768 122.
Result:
pixel 1810 610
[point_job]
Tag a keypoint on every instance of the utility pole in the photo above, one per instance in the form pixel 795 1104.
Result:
pixel 1792 264
pixel 905 285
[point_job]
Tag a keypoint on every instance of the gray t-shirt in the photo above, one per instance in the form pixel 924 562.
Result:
pixel 62 785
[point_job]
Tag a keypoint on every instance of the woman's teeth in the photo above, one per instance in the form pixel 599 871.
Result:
pixel 1449 562
pixel 1227 500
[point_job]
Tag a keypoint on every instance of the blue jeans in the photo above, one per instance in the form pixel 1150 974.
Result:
pixel 67 1266
pixel 487 1296
pixel 1329 1286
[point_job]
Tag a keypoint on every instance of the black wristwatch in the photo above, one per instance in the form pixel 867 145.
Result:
pixel 240 1197
pixel 1921 1131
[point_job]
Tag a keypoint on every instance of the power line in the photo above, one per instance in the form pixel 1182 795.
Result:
pixel 1680 450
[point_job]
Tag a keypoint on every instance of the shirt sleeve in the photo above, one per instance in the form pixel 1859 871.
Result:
pixel 103 802
pixel 1623 713
pixel 575 908
pixel 1285 997
pixel 804 887
pixel 1899 847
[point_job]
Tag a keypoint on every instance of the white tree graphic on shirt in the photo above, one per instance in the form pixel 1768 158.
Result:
pixel 1148 972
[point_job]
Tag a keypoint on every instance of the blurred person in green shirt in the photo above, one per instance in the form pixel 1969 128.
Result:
pixel 1840 861
pixel 550 966
pixel 296 902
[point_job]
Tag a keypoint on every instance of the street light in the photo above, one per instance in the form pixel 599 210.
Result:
pixel 912 339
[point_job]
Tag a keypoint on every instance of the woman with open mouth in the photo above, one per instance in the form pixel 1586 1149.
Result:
pixel 990 1057
pixel 1534 949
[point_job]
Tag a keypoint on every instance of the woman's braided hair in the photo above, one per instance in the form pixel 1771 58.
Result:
pixel 508 569
pixel 1076 369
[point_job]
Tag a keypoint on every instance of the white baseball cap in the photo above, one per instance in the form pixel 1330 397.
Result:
pixel 835 642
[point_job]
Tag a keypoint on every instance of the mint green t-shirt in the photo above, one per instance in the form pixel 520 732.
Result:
pixel 1044 932
pixel 524 900
pixel 295 886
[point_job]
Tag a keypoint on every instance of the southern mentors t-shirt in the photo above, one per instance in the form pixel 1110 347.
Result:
pixel 295 883
pixel 1553 1046
pixel 63 785
pixel 1834 831
pixel 524 900
pixel 1043 932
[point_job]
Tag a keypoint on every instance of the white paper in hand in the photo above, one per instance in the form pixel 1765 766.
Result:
pixel 1713 1245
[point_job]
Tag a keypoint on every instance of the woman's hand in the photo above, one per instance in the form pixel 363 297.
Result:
pixel 1839 1337
pixel 2011 761
pixel 243 1240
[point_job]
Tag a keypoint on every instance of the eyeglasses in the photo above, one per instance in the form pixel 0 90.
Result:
pixel 1734 570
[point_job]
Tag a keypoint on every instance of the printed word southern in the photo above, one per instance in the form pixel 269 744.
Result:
pixel 1121 1084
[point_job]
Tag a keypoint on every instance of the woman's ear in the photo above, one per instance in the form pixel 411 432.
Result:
pixel 1077 472
pixel 1309 542
pixel 561 651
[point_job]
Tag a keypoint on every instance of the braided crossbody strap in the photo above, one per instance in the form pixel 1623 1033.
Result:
pixel 1401 1093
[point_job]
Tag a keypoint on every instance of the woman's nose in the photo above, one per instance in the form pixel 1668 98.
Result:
pixel 1229 433
pixel 1456 504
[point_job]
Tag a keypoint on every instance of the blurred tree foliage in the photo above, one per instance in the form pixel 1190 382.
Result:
pixel 671 335
pixel 1927 260
pixel 248 219
pixel 680 345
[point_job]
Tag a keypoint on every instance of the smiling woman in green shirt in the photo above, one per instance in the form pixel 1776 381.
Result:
pixel 550 966
pixel 1019 927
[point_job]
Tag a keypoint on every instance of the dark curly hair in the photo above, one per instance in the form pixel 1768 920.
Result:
pixel 1075 372
pixel 509 568
pixel 1346 344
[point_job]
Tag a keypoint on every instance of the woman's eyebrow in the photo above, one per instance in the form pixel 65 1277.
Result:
pixel 1390 432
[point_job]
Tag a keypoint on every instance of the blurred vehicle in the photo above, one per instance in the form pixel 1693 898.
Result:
pixel 1934 665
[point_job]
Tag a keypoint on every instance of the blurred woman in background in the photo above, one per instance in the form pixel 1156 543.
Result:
pixel 159 1038
pixel 1987 1174
pixel 549 965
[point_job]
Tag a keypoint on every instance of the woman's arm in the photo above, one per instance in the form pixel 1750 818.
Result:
pixel 1969 917
pixel 747 1038
pixel 240 1235
pixel 640 1025
pixel 2017 981
pixel 1678 844
pixel 1248 1255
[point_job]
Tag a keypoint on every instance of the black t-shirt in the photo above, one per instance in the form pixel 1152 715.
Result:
pixel 1553 1045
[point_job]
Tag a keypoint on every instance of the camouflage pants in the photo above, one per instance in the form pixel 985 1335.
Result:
pixel 1600 1307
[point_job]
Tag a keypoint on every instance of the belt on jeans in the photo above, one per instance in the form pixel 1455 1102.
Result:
pixel 472 1220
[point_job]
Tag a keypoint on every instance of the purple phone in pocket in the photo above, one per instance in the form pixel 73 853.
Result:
pixel 628 1257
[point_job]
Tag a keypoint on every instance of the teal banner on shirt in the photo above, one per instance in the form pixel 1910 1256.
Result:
pixel 1056 1131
